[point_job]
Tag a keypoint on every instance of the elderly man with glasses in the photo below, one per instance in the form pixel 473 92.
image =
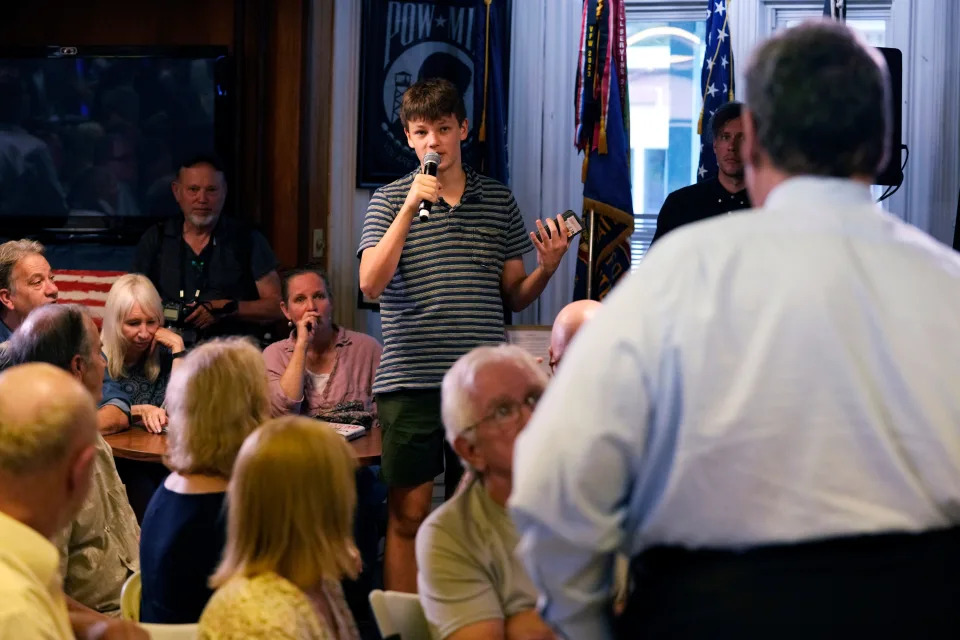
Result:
pixel 470 582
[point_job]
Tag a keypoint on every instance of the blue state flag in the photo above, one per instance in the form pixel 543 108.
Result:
pixel 606 191
pixel 716 81
pixel 491 82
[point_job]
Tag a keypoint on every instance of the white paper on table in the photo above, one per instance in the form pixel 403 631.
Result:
pixel 348 431
pixel 533 338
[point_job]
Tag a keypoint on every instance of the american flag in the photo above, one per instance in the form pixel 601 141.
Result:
pixel 88 288
pixel 716 81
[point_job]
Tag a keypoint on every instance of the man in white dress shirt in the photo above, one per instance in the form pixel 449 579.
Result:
pixel 767 413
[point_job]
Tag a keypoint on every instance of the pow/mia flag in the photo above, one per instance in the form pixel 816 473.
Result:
pixel 405 41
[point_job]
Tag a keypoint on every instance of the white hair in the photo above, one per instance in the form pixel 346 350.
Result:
pixel 128 290
pixel 456 406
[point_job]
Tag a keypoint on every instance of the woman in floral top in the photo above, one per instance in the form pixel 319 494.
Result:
pixel 289 538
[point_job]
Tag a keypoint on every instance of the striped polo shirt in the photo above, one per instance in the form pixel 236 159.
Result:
pixel 444 298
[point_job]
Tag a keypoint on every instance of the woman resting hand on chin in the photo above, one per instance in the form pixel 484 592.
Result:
pixel 322 370
pixel 140 352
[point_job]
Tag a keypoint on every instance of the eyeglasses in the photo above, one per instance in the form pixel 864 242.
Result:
pixel 506 412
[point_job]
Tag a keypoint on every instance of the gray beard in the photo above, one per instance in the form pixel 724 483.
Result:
pixel 203 222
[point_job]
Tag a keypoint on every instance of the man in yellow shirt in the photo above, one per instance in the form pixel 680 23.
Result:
pixel 48 424
pixel 48 430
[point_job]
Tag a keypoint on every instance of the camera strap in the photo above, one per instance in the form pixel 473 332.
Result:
pixel 201 281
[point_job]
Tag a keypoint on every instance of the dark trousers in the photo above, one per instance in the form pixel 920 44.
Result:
pixel 878 586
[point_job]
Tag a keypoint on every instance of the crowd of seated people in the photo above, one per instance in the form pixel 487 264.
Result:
pixel 771 444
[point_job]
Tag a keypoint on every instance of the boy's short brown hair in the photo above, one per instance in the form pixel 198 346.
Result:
pixel 431 100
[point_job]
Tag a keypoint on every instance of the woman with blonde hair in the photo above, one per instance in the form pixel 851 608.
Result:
pixel 216 398
pixel 140 352
pixel 289 538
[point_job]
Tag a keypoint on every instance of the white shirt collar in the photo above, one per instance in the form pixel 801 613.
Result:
pixel 811 191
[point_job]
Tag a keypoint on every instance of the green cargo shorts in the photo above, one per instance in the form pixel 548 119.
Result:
pixel 413 438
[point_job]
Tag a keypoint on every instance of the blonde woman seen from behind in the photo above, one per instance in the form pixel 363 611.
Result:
pixel 216 399
pixel 289 538
pixel 141 352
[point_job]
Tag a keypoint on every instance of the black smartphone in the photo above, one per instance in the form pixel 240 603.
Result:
pixel 571 221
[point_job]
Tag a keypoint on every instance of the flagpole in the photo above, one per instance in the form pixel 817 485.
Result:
pixel 590 257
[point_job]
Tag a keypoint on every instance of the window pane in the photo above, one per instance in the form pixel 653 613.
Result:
pixel 663 62
pixel 874 31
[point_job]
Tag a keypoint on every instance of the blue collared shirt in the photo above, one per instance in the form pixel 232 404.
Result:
pixel 775 375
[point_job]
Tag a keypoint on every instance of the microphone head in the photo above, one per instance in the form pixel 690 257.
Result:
pixel 431 158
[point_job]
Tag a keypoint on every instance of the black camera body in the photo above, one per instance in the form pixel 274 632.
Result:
pixel 175 314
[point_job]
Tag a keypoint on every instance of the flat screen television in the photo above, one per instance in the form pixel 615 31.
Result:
pixel 90 137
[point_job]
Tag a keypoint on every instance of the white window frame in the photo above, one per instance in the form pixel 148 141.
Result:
pixel 757 19
pixel 777 12
pixel 657 11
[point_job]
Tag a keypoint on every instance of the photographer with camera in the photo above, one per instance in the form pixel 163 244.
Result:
pixel 140 352
pixel 216 276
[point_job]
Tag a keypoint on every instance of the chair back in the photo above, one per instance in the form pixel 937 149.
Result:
pixel 172 631
pixel 399 615
pixel 130 598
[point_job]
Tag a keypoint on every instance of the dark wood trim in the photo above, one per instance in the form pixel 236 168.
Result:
pixel 317 141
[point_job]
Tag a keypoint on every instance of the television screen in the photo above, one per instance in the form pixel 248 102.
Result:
pixel 90 137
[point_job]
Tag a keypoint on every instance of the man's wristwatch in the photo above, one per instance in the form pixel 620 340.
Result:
pixel 179 354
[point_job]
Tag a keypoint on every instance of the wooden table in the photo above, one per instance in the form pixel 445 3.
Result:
pixel 137 444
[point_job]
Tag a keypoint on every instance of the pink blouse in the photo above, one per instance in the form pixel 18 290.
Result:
pixel 351 378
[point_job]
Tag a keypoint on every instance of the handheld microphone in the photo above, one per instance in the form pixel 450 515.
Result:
pixel 430 163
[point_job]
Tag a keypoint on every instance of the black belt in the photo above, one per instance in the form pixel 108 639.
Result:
pixel 878 586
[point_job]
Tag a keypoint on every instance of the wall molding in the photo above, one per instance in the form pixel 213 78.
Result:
pixel 345 218
pixel 544 164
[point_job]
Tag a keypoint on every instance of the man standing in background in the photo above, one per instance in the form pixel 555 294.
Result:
pixel 715 196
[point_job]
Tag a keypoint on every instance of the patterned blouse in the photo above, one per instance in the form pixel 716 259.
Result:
pixel 268 606
pixel 139 388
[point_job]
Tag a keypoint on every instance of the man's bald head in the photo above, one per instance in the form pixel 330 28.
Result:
pixel 48 426
pixel 568 322
pixel 43 410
